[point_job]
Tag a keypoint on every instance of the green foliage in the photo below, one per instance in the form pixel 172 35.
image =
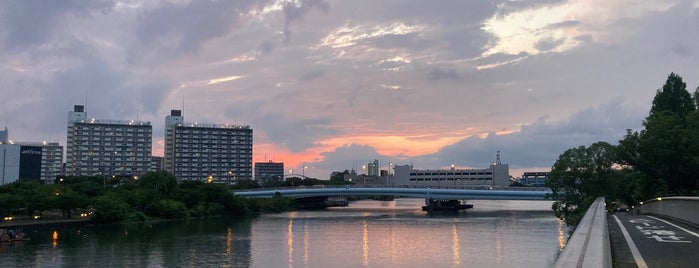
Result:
pixel 9 203
pixel 161 181
pixel 673 98
pixel 166 208
pixel 154 195
pixel 109 208
pixel 666 151
pixel 578 177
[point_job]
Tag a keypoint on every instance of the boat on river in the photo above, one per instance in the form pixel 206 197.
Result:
pixel 10 236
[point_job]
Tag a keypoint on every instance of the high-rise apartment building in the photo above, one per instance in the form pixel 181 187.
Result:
pixel 219 153
pixel 118 148
pixel 269 171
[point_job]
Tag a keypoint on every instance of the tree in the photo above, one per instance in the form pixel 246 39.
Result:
pixel 666 150
pixel 162 181
pixel 578 177
pixel 673 97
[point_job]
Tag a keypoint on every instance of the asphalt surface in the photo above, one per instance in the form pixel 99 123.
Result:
pixel 650 241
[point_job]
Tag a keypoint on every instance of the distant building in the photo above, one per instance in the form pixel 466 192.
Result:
pixel 497 174
pixel 203 151
pixel 4 136
pixel 35 161
pixel 107 147
pixel 269 171
pixel 534 178
pixel 373 168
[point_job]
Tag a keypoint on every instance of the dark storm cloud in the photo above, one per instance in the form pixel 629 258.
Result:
pixel 196 21
pixel 295 134
pixel 548 44
pixel 28 23
pixel 540 143
pixel 292 12
pixel 440 73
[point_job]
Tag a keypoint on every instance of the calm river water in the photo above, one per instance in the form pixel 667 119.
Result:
pixel 365 234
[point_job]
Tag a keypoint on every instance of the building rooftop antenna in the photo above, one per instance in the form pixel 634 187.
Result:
pixel 497 158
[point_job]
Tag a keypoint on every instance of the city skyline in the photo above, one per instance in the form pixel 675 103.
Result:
pixel 332 85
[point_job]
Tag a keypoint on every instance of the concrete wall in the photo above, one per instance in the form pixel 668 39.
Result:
pixel 589 245
pixel 680 207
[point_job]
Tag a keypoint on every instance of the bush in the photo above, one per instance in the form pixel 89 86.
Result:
pixel 166 208
pixel 110 209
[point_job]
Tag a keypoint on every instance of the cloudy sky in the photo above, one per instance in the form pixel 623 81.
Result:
pixel 333 85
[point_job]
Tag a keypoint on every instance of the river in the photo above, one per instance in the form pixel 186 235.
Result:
pixel 368 233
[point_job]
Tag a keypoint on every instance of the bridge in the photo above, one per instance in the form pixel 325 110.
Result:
pixel 427 193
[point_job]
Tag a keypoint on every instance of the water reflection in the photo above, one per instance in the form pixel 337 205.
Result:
pixel 365 242
pixel 455 246
pixel 561 235
pixel 401 236
pixel 290 241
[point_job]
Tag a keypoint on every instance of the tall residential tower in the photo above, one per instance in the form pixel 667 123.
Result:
pixel 219 153
pixel 107 147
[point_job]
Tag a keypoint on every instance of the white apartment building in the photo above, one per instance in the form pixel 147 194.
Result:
pixel 219 153
pixel 119 148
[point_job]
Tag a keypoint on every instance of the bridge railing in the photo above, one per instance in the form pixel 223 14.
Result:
pixel 589 245
pixel 683 208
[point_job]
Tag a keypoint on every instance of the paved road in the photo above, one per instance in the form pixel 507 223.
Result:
pixel 648 241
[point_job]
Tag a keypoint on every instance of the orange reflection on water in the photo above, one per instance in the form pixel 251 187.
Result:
pixel 290 240
pixel 229 240
pixel 561 235
pixel 365 243
pixel 455 245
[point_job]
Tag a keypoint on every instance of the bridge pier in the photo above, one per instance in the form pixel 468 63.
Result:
pixel 321 202
pixel 432 205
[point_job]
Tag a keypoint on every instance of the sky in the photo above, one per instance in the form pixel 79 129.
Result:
pixel 332 85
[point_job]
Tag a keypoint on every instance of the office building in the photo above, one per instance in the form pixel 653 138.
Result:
pixel 269 171
pixel 118 148
pixel 220 153
pixel 497 174
pixel 34 161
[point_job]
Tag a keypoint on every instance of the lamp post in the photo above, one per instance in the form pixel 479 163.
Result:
pixel 303 173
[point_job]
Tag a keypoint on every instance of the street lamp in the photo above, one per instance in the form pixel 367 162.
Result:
pixel 303 173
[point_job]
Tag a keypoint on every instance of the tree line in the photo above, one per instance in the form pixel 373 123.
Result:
pixel 155 195
pixel 662 159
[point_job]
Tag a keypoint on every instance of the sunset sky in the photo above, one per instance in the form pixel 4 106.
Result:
pixel 332 85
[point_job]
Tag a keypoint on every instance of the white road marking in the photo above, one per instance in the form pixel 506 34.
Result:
pixel 678 227
pixel 634 250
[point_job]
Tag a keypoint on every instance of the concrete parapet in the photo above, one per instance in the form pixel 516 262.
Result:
pixel 683 208
pixel 589 244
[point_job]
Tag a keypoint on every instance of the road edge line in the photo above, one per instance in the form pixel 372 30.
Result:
pixel 632 246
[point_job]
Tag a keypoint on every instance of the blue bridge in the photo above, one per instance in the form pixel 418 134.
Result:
pixel 427 193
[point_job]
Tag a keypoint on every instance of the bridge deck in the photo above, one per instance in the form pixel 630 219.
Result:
pixel 404 192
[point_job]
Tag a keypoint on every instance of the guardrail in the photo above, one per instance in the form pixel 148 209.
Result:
pixel 589 245
pixel 683 208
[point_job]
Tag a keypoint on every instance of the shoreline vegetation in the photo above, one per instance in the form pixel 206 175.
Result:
pixel 155 196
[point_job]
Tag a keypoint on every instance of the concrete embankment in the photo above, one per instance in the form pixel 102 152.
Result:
pixel 589 244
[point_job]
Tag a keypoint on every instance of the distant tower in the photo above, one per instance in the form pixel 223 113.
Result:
pixel 4 136
pixel 497 159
